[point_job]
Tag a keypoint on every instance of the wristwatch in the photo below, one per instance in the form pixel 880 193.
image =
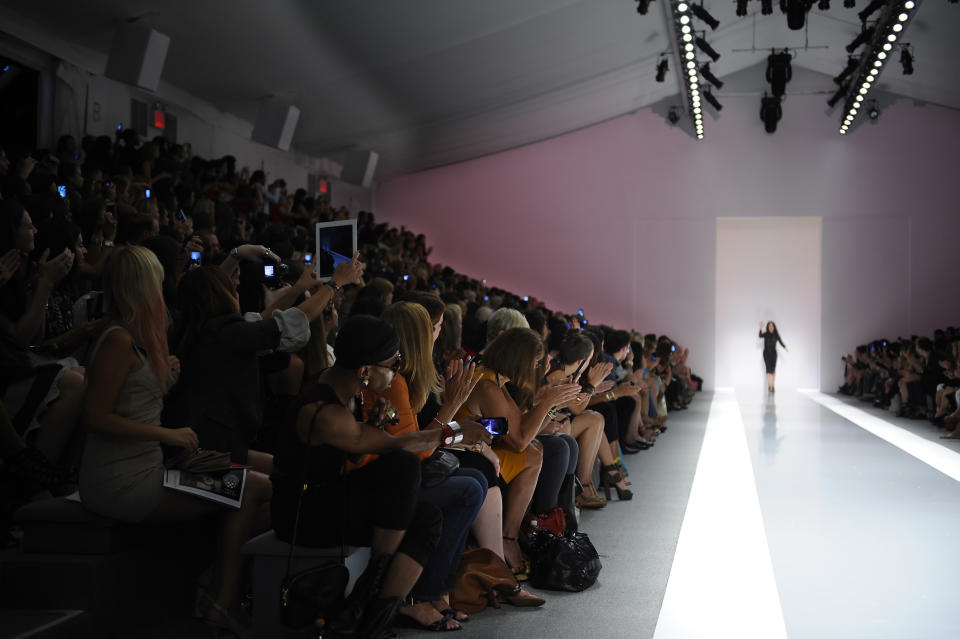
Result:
pixel 452 434
pixel 235 253
pixel 336 287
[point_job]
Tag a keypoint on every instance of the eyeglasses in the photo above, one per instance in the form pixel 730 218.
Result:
pixel 395 366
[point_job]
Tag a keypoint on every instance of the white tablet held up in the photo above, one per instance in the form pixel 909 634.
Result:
pixel 336 242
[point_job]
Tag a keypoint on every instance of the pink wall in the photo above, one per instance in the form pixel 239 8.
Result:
pixel 619 218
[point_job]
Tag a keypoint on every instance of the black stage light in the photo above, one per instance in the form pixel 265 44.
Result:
pixel 849 4
pixel 766 7
pixel 797 13
pixel 852 64
pixel 870 8
pixel 706 48
pixel 708 96
pixel 842 91
pixel 662 67
pixel 709 77
pixel 865 36
pixel 770 112
pixel 704 15
pixel 643 6
pixel 906 59
pixel 873 112
pixel 779 72
pixel 741 8
pixel 673 116
pixel 823 5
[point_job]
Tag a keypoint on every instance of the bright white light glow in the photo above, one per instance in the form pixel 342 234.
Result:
pixel 696 109
pixel 693 83
pixel 887 46
pixel 892 37
pixel 874 71
pixel 681 7
pixel 684 19
pixel 688 47
pixel 687 37
pixel 685 29
pixel 692 71
pixel 859 98
pixel 700 136
pixel 898 28
pixel 881 56
pixel 931 453
pixel 878 63
pixel 909 4
pixel 691 65
pixel 690 56
pixel 722 566
pixel 863 90
pixel 903 17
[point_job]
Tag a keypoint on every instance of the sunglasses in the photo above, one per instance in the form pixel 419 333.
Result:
pixel 395 366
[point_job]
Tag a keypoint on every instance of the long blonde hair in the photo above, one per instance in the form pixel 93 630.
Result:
pixel 413 326
pixel 133 295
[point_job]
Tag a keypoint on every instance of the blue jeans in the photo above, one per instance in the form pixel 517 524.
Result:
pixel 459 498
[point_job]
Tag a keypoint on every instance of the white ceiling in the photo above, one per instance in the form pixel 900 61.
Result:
pixel 431 82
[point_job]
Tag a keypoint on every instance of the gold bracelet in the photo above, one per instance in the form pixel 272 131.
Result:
pixel 610 396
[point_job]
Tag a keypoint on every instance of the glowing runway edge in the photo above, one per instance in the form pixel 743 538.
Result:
pixel 931 453
pixel 722 583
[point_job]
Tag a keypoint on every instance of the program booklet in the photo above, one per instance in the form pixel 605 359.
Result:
pixel 222 486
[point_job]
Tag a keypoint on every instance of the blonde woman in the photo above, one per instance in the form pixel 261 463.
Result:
pixel 122 471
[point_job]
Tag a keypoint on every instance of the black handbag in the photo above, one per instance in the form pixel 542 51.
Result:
pixel 437 467
pixel 314 593
pixel 563 562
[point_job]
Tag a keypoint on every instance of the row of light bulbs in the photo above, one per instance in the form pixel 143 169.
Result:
pixel 689 58
pixel 876 65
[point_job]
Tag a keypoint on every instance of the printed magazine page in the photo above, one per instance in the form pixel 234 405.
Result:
pixel 224 487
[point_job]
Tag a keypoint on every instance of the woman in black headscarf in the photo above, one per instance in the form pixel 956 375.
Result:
pixel 770 337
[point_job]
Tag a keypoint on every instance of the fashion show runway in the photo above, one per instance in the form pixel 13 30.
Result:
pixel 760 516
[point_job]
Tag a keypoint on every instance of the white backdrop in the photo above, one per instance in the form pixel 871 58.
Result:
pixel 768 269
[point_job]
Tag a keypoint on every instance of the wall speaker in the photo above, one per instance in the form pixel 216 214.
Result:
pixel 275 124
pixel 137 56
pixel 359 168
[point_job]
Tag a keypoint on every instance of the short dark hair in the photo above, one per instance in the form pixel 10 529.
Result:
pixel 615 341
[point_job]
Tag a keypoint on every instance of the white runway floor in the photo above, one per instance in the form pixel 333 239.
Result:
pixel 786 519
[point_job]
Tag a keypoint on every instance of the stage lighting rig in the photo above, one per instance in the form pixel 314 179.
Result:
pixel 823 5
pixel 864 37
pixel 852 64
pixel 673 115
pixel 766 7
pixel 709 77
pixel 704 46
pixel 708 96
pixel 741 8
pixel 682 38
pixel 842 91
pixel 872 111
pixel 796 11
pixel 705 16
pixel 662 67
pixel 779 72
pixel 906 59
pixel 643 6
pixel 770 112
pixel 849 4
pixel 870 9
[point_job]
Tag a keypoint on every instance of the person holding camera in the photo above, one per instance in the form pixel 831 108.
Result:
pixel 220 393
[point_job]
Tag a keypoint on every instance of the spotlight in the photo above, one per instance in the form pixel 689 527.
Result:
pixel 852 64
pixel 673 116
pixel 662 67
pixel 870 8
pixel 705 16
pixel 779 72
pixel 706 48
pixel 797 13
pixel 708 96
pixel 643 6
pixel 872 110
pixel 865 36
pixel 849 4
pixel 741 8
pixel 770 112
pixel 766 7
pixel 823 5
pixel 709 77
pixel 906 59
pixel 842 91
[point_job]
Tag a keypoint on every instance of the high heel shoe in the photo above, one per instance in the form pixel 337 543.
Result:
pixel 593 500
pixel 610 477
pixel 514 597
pixel 219 620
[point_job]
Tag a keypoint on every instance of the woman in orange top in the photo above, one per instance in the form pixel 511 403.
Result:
pixel 515 358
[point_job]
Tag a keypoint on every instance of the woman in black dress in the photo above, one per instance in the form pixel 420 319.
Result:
pixel 770 337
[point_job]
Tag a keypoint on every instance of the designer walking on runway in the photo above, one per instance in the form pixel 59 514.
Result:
pixel 770 338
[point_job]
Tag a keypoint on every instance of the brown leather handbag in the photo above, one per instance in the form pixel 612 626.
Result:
pixel 482 578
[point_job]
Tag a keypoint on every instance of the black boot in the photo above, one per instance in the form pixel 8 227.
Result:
pixel 367 588
pixel 377 618
pixel 566 499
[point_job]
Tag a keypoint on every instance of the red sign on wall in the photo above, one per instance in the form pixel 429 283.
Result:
pixel 159 119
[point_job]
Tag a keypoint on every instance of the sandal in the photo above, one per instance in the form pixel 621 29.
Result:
pixel 610 477
pixel 456 615
pixel 219 619
pixel 514 597
pixel 591 500
pixel 521 572
pixel 440 625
